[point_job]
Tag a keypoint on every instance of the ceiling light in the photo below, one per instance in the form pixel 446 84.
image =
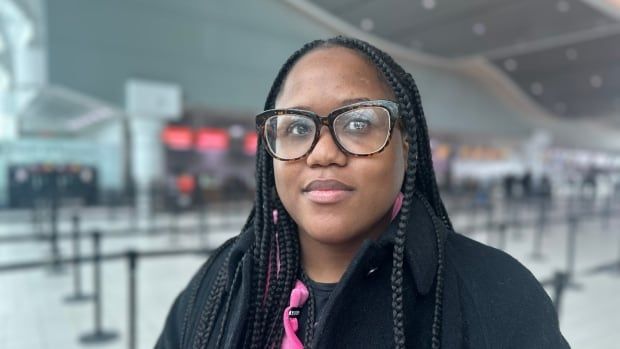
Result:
pixel 367 24
pixel 596 81
pixel 510 64
pixel 563 6
pixel 572 54
pixel 536 88
pixel 479 28
pixel 429 4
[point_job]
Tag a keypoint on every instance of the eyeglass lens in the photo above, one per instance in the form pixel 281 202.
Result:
pixel 360 131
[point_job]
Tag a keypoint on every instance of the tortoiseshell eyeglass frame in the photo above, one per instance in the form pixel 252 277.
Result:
pixel 390 106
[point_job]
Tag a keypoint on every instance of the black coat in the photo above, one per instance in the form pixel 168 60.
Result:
pixel 490 300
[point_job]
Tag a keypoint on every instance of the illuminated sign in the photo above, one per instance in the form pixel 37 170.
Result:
pixel 177 137
pixel 250 143
pixel 208 139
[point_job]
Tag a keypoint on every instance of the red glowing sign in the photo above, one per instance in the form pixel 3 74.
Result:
pixel 177 137
pixel 185 184
pixel 250 143
pixel 212 139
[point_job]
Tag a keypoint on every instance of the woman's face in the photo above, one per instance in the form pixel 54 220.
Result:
pixel 335 198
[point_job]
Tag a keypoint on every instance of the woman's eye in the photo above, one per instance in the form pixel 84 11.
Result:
pixel 298 129
pixel 357 125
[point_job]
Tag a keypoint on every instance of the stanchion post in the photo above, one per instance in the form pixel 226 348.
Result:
pixel 516 218
pixel 473 216
pixel 98 335
pixel 502 236
pixel 571 246
pixel 36 228
pixel 56 267
pixel 540 227
pixel 132 261
pixel 489 210
pixel 77 295
pixel 559 283
pixel 135 215
pixel 606 214
pixel 174 223
pixel 203 222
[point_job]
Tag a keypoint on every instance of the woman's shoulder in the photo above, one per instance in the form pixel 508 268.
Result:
pixel 191 300
pixel 487 272
pixel 502 296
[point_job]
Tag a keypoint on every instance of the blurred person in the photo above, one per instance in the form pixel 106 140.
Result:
pixel 526 184
pixel 348 244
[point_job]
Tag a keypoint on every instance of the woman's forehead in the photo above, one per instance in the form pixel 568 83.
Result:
pixel 335 73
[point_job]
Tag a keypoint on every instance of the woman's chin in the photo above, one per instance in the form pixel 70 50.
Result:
pixel 331 235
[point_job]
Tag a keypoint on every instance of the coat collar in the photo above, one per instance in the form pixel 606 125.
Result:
pixel 420 241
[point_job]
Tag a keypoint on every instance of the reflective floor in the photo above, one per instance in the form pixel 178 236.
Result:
pixel 35 312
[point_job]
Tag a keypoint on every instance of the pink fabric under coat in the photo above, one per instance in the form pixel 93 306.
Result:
pixel 299 296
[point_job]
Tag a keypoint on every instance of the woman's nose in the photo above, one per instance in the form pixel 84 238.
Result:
pixel 326 151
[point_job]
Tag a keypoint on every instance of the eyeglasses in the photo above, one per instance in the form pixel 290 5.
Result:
pixel 359 129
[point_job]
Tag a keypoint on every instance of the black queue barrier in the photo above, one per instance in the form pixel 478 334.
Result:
pixel 55 267
pixel 517 216
pixel 78 295
pixel 98 335
pixel 571 250
pixel 559 282
pixel 173 222
pixel 502 236
pixel 606 214
pixel 160 227
pixel 36 220
pixel 132 261
pixel 202 224
pixel 489 210
pixel 541 223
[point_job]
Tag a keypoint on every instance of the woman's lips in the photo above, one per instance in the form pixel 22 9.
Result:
pixel 327 191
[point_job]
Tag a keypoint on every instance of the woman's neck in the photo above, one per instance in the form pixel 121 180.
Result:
pixel 327 263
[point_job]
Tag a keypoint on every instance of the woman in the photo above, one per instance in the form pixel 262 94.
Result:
pixel 349 244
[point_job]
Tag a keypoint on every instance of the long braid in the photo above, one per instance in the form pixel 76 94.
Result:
pixel 309 330
pixel 228 302
pixel 438 207
pixel 288 244
pixel 436 329
pixel 209 312
pixel 258 222
pixel 261 253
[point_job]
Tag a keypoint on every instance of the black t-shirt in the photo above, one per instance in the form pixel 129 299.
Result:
pixel 320 293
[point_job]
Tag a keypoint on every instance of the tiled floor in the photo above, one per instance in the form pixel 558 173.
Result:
pixel 34 314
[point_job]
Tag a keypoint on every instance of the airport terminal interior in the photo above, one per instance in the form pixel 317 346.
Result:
pixel 128 146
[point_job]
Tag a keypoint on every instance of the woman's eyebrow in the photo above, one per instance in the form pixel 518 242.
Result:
pixel 342 103
pixel 353 100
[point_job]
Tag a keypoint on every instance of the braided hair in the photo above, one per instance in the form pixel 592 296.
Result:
pixel 270 288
